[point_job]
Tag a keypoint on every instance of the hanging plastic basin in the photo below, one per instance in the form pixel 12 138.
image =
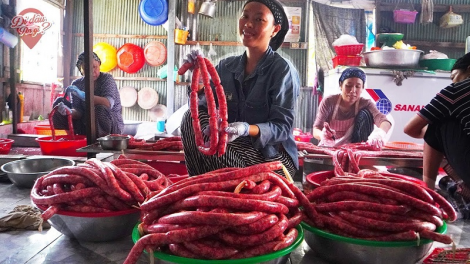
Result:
pixel 130 58
pixel 62 146
pixel 107 55
pixel 153 12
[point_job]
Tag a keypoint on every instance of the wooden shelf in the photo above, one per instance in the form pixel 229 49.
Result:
pixel 417 7
pixel 215 43
pixel 224 43
pixel 452 45
pixel 123 36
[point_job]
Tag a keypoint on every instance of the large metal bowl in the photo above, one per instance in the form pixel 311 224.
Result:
pixel 130 127
pixel 277 257
pixel 94 227
pixel 393 58
pixel 114 142
pixel 344 250
pixel 23 173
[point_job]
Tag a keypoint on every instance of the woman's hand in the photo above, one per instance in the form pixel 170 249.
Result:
pixel 63 109
pixel 75 91
pixel 327 137
pixel 237 129
pixel 377 139
pixel 191 58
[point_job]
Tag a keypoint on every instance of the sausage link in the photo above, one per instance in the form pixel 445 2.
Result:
pixel 208 218
pixel 378 191
pixel 225 175
pixel 209 250
pixel 273 195
pixel 351 196
pixel 406 186
pixel 255 239
pixel 353 205
pixel 287 240
pixel 262 187
pixel 127 182
pixel 435 236
pixel 351 230
pixel 49 212
pixel 158 201
pixel 170 237
pixel 384 225
pixel 444 204
pixel 65 197
pixel 256 227
pixel 180 250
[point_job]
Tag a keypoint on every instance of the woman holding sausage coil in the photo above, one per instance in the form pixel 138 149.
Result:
pixel 108 110
pixel 349 118
pixel 445 125
pixel 261 90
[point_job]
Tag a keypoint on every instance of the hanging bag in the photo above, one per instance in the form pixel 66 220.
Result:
pixel 404 16
pixel 450 19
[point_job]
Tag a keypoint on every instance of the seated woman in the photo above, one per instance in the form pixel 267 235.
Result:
pixel 261 90
pixel 349 117
pixel 445 125
pixel 108 110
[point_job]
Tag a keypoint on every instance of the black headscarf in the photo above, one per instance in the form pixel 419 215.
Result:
pixel 81 60
pixel 352 73
pixel 462 63
pixel 280 18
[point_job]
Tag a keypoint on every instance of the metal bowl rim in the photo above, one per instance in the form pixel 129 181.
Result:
pixel 252 260
pixel 33 173
pixel 43 207
pixel 442 230
pixel 391 50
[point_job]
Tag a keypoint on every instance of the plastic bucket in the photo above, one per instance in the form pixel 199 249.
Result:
pixel 181 36
pixel 46 130
pixel 62 146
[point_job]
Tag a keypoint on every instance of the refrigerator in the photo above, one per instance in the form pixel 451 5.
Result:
pixel 399 94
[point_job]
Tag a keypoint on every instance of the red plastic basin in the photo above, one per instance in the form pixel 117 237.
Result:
pixel 316 178
pixel 5 145
pixel 169 167
pixel 62 146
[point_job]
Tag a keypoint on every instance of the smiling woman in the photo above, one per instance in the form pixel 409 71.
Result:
pixel 261 90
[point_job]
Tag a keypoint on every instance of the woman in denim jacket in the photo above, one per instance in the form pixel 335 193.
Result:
pixel 261 89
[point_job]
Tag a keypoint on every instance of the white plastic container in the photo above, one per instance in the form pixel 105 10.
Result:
pixel 467 45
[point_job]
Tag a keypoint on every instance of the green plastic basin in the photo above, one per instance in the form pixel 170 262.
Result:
pixel 437 64
pixel 168 258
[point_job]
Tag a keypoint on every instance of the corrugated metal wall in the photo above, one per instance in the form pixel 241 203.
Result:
pixel 430 32
pixel 121 17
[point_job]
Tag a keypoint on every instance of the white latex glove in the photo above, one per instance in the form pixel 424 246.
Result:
pixel 63 109
pixel 377 138
pixel 327 136
pixel 192 57
pixel 237 129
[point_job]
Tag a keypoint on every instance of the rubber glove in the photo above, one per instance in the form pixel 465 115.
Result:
pixel 63 109
pixel 377 139
pixel 237 129
pixel 75 91
pixel 327 136
pixel 207 131
pixel 192 57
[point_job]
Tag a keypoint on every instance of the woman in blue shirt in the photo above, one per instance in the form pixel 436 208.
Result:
pixel 108 109
pixel 261 90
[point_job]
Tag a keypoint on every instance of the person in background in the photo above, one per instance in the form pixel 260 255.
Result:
pixel 350 117
pixel 445 126
pixel 261 89
pixel 108 110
